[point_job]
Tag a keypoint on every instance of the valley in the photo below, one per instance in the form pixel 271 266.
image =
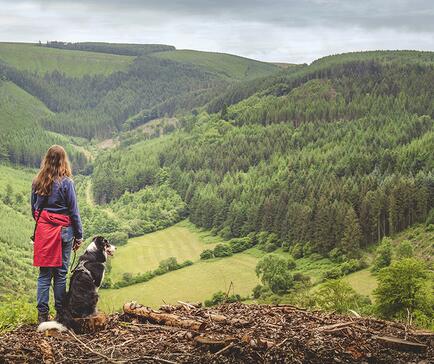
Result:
pixel 322 167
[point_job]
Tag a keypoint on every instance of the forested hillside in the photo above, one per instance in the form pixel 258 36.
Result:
pixel 22 139
pixel 93 90
pixel 335 155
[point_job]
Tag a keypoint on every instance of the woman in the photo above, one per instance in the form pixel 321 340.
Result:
pixel 58 224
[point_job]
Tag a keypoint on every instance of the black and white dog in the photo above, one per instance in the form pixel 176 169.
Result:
pixel 82 297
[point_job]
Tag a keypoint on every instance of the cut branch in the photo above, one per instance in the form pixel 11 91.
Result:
pixel 162 318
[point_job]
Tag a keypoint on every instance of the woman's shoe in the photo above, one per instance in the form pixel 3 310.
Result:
pixel 42 317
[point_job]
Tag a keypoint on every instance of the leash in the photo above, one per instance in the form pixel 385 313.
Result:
pixel 71 270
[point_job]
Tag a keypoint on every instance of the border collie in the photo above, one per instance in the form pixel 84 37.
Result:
pixel 82 297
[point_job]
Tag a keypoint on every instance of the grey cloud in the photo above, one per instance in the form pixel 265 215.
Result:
pixel 415 15
pixel 292 31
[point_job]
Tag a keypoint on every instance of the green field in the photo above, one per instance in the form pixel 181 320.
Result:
pixel 144 253
pixel 227 65
pixel 362 281
pixel 34 58
pixel 194 283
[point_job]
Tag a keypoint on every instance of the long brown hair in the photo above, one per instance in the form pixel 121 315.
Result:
pixel 54 166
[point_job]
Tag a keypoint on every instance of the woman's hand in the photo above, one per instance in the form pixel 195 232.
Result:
pixel 77 244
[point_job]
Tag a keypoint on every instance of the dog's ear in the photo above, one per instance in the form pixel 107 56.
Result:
pixel 98 240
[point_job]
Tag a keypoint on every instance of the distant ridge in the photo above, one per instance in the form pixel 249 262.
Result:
pixel 124 49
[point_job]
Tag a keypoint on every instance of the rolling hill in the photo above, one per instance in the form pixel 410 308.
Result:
pixel 37 58
pixel 227 65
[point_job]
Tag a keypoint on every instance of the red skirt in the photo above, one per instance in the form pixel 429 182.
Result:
pixel 47 249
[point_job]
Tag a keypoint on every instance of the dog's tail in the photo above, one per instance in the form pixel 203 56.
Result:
pixel 63 323
pixel 51 325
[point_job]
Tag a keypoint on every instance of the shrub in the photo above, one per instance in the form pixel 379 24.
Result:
pixel 186 263
pixel 168 264
pixel 274 273
pixel 285 246
pixel 107 283
pixel 405 288
pixel 333 273
pixel 297 251
pixel 269 247
pixel 240 244
pixel 261 291
pixel 222 250
pixel 127 277
pixel 349 267
pixel 383 255
pixel 221 297
pixel 337 295
pixel 117 238
pixel 207 254
pixel 336 255
pixel 257 290
pixel 405 250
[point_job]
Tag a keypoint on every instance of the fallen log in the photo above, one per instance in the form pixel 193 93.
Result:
pixel 402 345
pixel 162 318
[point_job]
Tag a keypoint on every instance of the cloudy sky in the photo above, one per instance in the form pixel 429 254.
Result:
pixel 270 30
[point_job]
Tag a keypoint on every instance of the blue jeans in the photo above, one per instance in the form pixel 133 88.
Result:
pixel 58 274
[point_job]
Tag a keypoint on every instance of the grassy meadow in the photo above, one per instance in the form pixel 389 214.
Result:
pixel 227 65
pixel 194 283
pixel 35 58
pixel 144 253
pixel 363 282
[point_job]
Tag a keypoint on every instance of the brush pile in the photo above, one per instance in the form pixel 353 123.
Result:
pixel 232 333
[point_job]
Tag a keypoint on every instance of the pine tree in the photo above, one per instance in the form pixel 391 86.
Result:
pixel 352 238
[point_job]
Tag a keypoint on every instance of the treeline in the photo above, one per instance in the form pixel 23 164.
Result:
pixel 112 48
pixel 333 185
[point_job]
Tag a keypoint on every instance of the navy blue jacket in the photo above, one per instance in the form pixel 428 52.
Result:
pixel 63 200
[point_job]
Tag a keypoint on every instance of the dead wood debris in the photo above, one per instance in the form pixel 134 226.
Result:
pixel 233 333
